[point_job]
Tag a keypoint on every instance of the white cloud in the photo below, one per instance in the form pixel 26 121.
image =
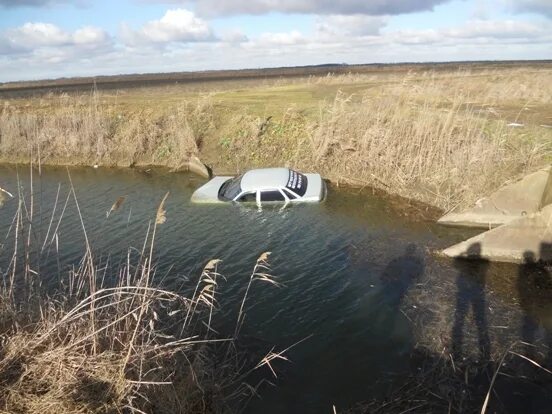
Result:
pixel 34 36
pixel 281 39
pixel 39 50
pixel 353 25
pixel 176 26
pixel 90 35
pixel 506 29
pixel 475 32
pixel 415 37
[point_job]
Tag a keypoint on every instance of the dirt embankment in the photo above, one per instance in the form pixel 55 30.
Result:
pixel 439 138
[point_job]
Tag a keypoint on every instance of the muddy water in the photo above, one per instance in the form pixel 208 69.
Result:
pixel 360 282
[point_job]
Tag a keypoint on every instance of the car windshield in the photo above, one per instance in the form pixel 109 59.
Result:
pixel 230 188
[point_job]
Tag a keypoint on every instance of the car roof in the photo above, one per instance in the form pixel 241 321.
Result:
pixel 264 178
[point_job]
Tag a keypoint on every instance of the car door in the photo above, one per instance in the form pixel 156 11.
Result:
pixel 247 197
pixel 274 195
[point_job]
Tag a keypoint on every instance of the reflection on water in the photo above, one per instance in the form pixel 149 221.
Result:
pixel 356 274
pixel 397 278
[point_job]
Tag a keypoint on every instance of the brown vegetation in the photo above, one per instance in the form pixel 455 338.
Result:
pixel 104 340
pixel 432 139
pixel 442 137
pixel 80 131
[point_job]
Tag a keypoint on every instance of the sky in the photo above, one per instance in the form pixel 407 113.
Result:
pixel 44 39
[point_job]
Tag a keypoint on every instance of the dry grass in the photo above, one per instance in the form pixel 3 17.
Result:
pixel 115 342
pixel 82 131
pixel 429 138
pixel 418 150
pixel 438 137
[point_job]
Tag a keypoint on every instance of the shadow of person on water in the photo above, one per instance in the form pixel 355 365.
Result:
pixel 534 286
pixel 399 275
pixel 470 282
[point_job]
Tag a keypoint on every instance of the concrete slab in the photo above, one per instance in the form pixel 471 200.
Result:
pixel 547 194
pixel 512 242
pixel 512 201
pixel 197 167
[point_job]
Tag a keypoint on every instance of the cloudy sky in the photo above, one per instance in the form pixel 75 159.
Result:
pixel 57 38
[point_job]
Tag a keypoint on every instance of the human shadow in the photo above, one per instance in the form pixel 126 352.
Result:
pixel 399 275
pixel 545 253
pixel 534 285
pixel 470 282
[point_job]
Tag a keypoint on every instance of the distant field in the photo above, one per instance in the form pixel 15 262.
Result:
pixel 444 134
pixel 218 77
pixel 269 90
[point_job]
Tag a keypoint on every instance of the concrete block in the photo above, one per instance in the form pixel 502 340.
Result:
pixel 547 194
pixel 197 167
pixel 529 236
pixel 512 201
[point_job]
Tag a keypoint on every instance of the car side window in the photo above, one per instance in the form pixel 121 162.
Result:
pixel 272 195
pixel 289 194
pixel 248 197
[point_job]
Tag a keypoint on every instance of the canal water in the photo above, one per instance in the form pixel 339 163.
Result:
pixel 361 285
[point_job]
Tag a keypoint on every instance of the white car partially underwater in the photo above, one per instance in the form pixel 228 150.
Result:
pixel 263 185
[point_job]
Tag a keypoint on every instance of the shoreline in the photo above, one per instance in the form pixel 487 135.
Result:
pixel 413 208
pixel 440 138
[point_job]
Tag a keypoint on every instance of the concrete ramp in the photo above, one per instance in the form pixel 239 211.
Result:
pixel 195 166
pixel 512 201
pixel 547 194
pixel 525 238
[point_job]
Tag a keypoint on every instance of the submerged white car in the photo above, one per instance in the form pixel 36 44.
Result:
pixel 263 185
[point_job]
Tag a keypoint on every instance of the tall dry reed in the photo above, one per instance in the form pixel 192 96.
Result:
pixel 104 339
pixel 440 137
pixel 82 131
pixel 427 139
pixel 442 156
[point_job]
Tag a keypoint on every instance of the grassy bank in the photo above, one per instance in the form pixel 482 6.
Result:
pixel 441 137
